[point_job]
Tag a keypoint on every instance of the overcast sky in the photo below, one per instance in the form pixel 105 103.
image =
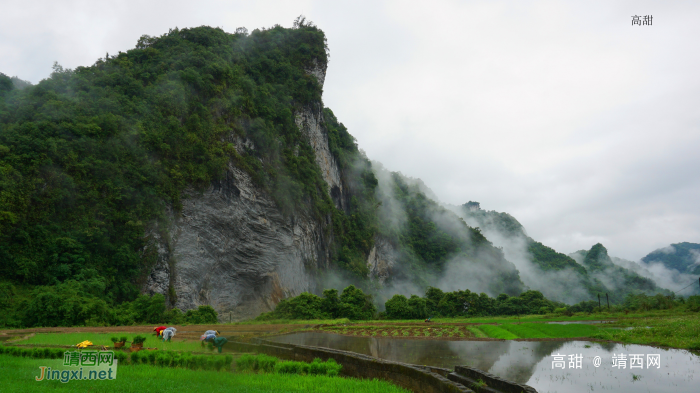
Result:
pixel 563 114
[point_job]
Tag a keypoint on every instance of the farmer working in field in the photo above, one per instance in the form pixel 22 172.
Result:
pixel 208 332
pixel 169 333
pixel 219 342
pixel 208 337
pixel 159 330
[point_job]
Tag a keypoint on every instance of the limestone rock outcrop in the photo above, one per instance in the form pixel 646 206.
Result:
pixel 230 246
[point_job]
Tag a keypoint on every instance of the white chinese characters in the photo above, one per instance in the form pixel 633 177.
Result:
pixel 619 361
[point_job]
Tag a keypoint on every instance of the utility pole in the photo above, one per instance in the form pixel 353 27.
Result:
pixel 608 300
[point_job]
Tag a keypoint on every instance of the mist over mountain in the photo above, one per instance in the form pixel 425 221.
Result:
pixel 567 278
pixel 201 168
pixel 677 266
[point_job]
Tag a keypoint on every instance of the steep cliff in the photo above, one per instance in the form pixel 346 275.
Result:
pixel 231 247
pixel 203 166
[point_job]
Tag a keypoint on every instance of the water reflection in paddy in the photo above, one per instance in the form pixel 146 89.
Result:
pixel 528 362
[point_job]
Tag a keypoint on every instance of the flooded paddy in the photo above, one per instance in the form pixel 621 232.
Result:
pixel 530 362
pixel 579 322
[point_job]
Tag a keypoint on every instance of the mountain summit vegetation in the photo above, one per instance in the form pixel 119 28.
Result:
pixel 91 158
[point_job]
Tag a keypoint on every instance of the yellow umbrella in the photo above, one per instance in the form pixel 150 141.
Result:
pixel 84 344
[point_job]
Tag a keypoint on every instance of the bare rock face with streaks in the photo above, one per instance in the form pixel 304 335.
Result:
pixel 231 248
pixel 381 259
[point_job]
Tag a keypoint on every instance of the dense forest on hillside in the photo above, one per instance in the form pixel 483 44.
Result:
pixel 92 158
pixel 89 157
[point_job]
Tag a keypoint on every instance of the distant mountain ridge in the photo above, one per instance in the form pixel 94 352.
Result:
pixel 572 278
pixel 683 257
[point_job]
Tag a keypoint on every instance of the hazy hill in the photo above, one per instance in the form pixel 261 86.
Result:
pixel 203 166
pixel 568 278
pixel 683 257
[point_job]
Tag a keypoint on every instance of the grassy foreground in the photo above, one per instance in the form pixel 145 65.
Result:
pixel 18 376
pixel 682 331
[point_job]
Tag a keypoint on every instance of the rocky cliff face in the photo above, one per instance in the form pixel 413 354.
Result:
pixel 231 248
pixel 381 260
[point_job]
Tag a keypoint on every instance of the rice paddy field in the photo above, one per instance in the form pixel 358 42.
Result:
pixel 103 339
pixel 664 328
pixel 18 375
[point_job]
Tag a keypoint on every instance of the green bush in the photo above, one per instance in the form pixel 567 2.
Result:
pixel 202 315
pixel 693 303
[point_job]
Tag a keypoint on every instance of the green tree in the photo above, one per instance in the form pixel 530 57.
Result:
pixel 397 308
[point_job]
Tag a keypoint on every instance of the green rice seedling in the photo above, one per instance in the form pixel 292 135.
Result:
pixel 317 367
pixel 160 359
pixel 136 357
pixel 57 353
pixel 528 330
pixel 121 357
pixel 497 332
pixel 265 363
pixel 122 339
pixel 404 333
pixel 208 363
pixel 2 349
pixel 174 358
pixel 332 368
pixel 474 331
pixel 151 356
pixel 245 362
pixel 289 367
pixel 200 362
pixel 329 367
pixel 385 333
pixel 223 362
pixel 186 360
